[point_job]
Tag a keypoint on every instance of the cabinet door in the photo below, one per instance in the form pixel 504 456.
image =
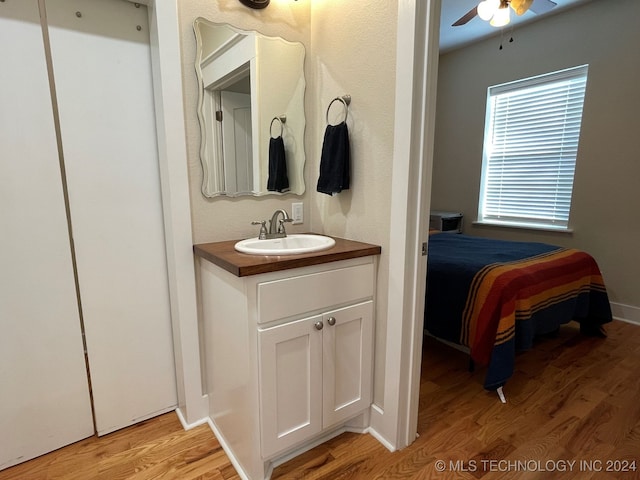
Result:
pixel 347 362
pixel 290 383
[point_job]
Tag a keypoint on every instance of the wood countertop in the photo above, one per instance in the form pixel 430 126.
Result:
pixel 225 256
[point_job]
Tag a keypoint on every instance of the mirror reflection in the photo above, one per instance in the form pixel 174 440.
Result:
pixel 251 111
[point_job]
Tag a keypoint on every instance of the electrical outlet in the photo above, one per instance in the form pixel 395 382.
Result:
pixel 297 213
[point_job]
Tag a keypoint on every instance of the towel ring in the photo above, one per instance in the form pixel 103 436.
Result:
pixel 346 101
pixel 282 119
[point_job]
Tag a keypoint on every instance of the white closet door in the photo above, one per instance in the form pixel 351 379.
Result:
pixel 44 395
pixel 102 68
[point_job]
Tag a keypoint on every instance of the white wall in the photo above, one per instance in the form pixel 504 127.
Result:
pixel 353 52
pixel 604 214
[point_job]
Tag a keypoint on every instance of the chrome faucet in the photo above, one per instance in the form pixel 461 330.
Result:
pixel 276 227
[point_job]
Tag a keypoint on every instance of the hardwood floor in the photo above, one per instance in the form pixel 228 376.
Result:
pixel 155 449
pixel 572 398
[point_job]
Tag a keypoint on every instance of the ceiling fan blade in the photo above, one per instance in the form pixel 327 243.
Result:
pixel 520 6
pixel 542 6
pixel 466 17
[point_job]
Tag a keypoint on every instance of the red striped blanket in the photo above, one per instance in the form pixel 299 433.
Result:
pixel 504 293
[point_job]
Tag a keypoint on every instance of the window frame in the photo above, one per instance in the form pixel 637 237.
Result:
pixel 577 75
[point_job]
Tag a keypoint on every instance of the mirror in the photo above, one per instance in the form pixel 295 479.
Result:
pixel 251 92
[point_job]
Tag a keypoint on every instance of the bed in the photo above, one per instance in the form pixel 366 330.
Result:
pixel 495 296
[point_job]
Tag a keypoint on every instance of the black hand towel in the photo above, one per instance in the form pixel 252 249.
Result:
pixel 278 180
pixel 335 160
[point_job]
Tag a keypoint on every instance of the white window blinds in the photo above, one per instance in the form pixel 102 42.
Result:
pixel 531 143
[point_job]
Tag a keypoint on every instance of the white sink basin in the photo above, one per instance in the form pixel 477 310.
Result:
pixel 289 245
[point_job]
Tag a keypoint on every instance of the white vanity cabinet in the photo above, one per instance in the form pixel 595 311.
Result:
pixel 288 356
pixel 314 374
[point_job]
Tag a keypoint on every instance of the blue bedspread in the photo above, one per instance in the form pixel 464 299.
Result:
pixel 494 296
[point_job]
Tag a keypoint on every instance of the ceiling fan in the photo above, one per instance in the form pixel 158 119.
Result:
pixel 497 11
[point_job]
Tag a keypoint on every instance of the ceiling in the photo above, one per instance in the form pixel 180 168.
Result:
pixel 477 29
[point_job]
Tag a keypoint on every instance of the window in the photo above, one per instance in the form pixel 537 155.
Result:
pixel 531 142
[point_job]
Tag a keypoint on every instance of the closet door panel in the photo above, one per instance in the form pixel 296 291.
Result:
pixel 44 394
pixel 102 67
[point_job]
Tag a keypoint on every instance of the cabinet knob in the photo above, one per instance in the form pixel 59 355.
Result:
pixel 331 321
pixel 319 325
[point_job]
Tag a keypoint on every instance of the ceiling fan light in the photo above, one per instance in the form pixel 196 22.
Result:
pixel 488 8
pixel 501 18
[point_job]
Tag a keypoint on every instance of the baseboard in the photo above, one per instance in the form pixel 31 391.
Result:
pixel 381 439
pixel 626 313
pixel 225 446
pixel 377 418
pixel 189 426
